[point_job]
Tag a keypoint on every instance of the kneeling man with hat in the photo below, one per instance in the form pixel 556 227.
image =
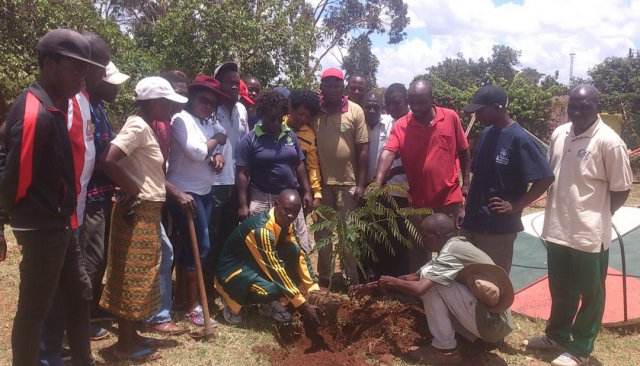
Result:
pixel 462 291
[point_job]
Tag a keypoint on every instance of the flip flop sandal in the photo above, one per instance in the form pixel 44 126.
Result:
pixel 144 355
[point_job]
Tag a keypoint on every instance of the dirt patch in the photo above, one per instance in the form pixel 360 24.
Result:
pixel 374 331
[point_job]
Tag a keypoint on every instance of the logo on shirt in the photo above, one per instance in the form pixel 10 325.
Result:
pixel 89 131
pixel 583 154
pixel 289 140
pixel 503 157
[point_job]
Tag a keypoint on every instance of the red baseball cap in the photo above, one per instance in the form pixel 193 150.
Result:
pixel 332 71
pixel 244 92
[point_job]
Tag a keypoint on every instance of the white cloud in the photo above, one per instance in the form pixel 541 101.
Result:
pixel 545 31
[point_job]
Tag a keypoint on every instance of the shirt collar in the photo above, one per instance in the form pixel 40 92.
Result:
pixel 37 90
pixel 343 108
pixel 590 131
pixel 257 129
pixel 439 116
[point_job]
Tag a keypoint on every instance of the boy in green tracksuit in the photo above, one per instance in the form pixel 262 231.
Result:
pixel 261 262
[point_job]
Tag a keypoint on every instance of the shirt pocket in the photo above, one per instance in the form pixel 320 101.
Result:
pixel 444 143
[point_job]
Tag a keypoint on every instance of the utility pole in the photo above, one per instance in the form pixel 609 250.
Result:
pixel 572 55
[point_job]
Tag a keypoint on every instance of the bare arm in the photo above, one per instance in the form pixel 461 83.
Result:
pixel 362 151
pixel 184 200
pixel 118 175
pixel 384 165
pixel 303 179
pixel 618 199
pixel 538 187
pixel 243 172
pixel 465 164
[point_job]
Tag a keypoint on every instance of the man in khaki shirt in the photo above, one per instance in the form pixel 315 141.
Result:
pixel 593 180
pixel 343 143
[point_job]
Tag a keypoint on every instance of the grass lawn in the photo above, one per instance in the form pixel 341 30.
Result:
pixel 235 346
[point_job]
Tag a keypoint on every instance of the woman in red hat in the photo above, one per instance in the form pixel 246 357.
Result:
pixel 194 160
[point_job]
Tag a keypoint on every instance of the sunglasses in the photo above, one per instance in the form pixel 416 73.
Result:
pixel 211 102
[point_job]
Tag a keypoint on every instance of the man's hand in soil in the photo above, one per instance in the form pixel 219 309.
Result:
pixel 311 314
pixel 360 291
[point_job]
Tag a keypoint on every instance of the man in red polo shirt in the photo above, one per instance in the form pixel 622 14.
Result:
pixel 433 149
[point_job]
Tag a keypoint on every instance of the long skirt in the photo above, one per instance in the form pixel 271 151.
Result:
pixel 132 290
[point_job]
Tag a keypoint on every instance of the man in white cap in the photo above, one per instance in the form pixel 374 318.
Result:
pixel 94 234
pixel 462 291
pixel 233 117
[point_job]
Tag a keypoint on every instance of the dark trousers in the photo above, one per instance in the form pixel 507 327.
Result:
pixel 577 287
pixel 224 218
pixel 51 260
pixel 397 263
pixel 94 242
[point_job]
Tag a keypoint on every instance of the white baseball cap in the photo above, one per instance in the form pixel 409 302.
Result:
pixel 113 75
pixel 155 87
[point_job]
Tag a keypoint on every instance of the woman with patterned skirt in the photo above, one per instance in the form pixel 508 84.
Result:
pixel 134 162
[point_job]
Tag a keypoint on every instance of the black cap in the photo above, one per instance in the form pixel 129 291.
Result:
pixel 487 95
pixel 67 42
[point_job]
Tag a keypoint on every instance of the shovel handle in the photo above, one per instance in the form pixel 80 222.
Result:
pixel 208 329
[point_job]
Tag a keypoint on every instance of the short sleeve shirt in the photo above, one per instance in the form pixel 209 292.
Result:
pixel 273 160
pixel 505 161
pixel 587 168
pixel 443 269
pixel 144 159
pixel 337 135
pixel 236 125
pixel 429 156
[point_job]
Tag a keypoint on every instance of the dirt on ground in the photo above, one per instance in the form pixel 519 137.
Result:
pixel 363 332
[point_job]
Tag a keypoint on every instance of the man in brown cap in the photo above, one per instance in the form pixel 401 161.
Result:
pixel 462 291
pixel 38 190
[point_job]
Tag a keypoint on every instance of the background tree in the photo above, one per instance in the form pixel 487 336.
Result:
pixel 360 58
pixel 336 21
pixel 618 80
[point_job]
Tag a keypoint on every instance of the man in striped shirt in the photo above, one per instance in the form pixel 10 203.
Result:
pixel 261 262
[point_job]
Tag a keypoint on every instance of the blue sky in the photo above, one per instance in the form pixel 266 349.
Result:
pixel 545 31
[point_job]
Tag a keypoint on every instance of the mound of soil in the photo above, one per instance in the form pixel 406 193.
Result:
pixel 378 330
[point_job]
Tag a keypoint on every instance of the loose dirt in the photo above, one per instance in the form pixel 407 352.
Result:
pixel 364 332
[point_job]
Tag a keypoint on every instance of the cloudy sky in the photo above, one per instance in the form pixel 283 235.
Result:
pixel 545 31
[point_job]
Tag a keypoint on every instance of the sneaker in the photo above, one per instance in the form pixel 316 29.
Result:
pixel 567 359
pixel 230 316
pixel 196 317
pixel 97 333
pixel 542 343
pixel 276 311
pixel 433 356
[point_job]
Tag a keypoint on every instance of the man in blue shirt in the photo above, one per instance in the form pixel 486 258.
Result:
pixel 506 160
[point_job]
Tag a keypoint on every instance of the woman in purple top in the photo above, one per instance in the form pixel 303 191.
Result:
pixel 269 159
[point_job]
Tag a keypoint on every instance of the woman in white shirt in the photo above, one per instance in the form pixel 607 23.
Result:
pixel 194 160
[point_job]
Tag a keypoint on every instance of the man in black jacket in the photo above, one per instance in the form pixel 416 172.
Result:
pixel 38 191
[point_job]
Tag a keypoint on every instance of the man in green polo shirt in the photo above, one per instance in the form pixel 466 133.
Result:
pixel 462 291
pixel 343 147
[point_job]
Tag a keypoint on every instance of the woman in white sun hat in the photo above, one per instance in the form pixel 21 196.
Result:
pixel 134 163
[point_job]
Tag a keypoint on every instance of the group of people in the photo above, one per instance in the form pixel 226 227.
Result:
pixel 237 169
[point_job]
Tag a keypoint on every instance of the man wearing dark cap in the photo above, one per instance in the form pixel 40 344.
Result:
pixel 38 190
pixel 343 144
pixel 506 160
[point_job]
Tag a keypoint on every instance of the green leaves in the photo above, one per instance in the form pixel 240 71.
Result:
pixel 372 223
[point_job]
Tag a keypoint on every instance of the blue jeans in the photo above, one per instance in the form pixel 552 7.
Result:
pixel 184 252
pixel 164 313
